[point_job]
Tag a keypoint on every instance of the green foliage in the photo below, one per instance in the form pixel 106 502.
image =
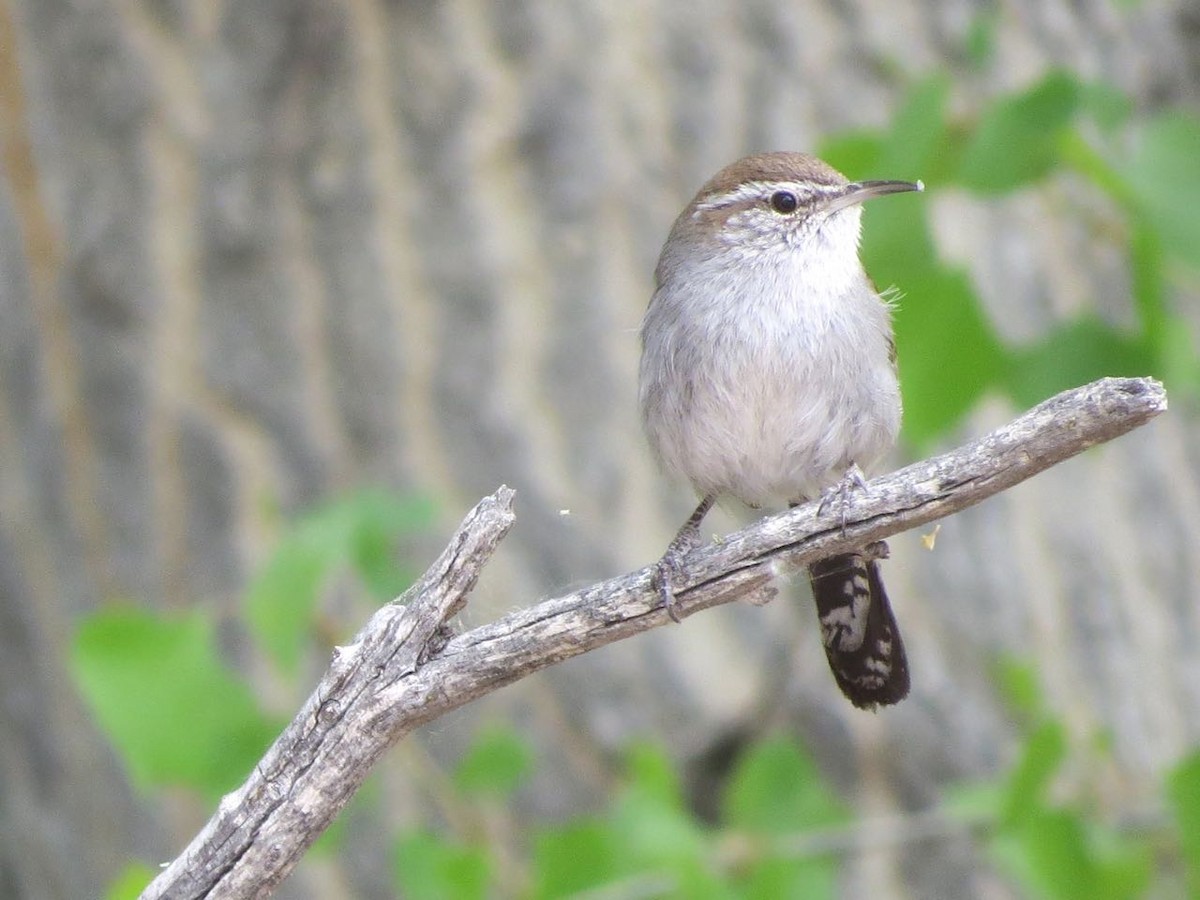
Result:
pixel 1183 799
pixel 1019 687
pixel 429 868
pixel 980 39
pixel 1016 140
pixel 1054 850
pixel 1164 179
pixel 358 533
pixel 777 791
pixel 950 354
pixel 1049 842
pixel 1058 853
pixel 173 710
pixel 574 857
pixel 130 883
pixel 497 762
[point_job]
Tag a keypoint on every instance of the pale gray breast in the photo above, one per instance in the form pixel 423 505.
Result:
pixel 769 401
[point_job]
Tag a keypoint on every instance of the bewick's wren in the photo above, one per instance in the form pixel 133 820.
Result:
pixel 768 374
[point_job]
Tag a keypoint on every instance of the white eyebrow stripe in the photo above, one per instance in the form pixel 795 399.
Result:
pixel 756 190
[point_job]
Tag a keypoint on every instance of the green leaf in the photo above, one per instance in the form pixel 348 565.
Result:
pixel 777 789
pixel 1020 686
pixel 975 800
pixel 947 350
pixel 917 146
pixel 495 764
pixel 1165 179
pixel 1180 365
pixel 1078 352
pixel 428 868
pixel 948 354
pixel 696 880
pixel 779 877
pixel 575 857
pixel 159 690
pixel 131 882
pixel 1058 854
pixel 656 833
pixel 980 41
pixel 1124 868
pixel 855 152
pixel 1183 799
pixel 379 520
pixel 650 818
pixel 1107 105
pixel 1016 142
pixel 1149 282
pixel 359 532
pixel 651 774
pixel 1047 853
pixel 1043 755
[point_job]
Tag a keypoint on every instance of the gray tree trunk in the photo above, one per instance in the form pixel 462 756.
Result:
pixel 258 252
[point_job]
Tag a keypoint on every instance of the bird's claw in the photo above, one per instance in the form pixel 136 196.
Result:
pixel 852 481
pixel 666 571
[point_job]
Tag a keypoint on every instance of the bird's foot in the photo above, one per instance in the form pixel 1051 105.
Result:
pixel 668 570
pixel 852 481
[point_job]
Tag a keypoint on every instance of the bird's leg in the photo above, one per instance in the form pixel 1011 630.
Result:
pixel 852 481
pixel 667 569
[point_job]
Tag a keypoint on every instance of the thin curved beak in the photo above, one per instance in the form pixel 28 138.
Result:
pixel 858 191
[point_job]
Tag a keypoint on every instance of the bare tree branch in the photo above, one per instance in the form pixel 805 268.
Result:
pixel 405 668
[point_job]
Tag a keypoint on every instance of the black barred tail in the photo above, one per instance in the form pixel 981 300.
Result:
pixel 858 629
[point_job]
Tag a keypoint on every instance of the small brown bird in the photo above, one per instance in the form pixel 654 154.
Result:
pixel 768 375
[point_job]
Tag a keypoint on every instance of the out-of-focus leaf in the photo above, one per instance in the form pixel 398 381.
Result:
pixel 975 800
pixel 980 43
pixel 1108 106
pixel 1149 282
pixel 855 153
pixel 131 882
pixel 1018 683
pixel 1016 141
pixel 649 816
pixel 1059 855
pixel 1074 354
pixel 1043 755
pixel 160 692
pixel 917 146
pixel 1183 798
pixel 1165 178
pixel 1124 867
pixel 357 532
pixel 812 879
pixel 574 858
pixel 1047 853
pixel 495 764
pixel 947 351
pixel 428 868
pixel 777 789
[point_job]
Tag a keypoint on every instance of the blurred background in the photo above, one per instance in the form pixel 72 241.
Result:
pixel 287 285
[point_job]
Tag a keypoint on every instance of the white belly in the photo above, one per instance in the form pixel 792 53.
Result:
pixel 776 409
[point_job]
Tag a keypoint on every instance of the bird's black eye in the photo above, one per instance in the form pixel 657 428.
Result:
pixel 784 202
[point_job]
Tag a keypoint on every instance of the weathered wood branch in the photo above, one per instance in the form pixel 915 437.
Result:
pixel 407 667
